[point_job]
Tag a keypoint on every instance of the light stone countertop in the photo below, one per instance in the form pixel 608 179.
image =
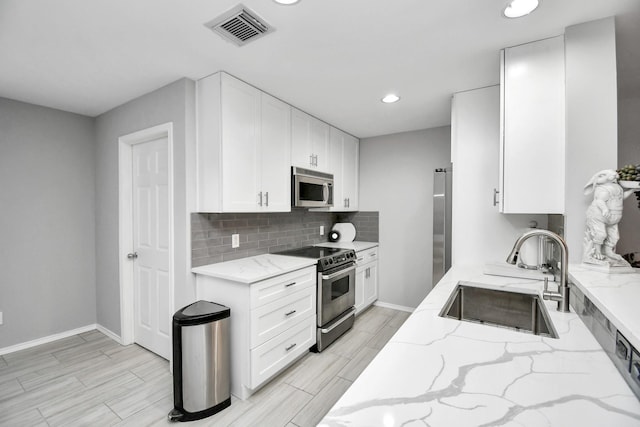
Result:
pixel 616 295
pixel 442 372
pixel 254 269
pixel 260 267
pixel 356 245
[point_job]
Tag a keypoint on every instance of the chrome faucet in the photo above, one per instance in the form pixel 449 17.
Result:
pixel 562 295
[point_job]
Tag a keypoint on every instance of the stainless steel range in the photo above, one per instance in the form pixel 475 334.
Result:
pixel 335 291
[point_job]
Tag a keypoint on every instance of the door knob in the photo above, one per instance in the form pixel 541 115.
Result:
pixel 132 255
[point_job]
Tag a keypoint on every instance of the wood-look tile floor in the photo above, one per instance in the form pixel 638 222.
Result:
pixel 90 380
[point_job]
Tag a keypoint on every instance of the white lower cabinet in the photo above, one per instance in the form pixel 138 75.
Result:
pixel 366 278
pixel 277 353
pixel 273 323
pixel 270 320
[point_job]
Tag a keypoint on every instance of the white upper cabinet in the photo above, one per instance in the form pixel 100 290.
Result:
pixel 240 145
pixel 276 154
pixel 533 128
pixel 350 168
pixel 343 158
pixel 310 142
pixel 243 148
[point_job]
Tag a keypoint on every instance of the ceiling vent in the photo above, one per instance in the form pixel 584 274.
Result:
pixel 240 25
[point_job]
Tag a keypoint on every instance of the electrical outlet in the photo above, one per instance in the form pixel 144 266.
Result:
pixel 235 240
pixel 322 230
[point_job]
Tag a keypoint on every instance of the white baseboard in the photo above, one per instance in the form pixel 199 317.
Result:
pixel 45 340
pixel 109 333
pixel 59 336
pixel 394 306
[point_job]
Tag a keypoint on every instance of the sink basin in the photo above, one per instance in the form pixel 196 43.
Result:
pixel 518 310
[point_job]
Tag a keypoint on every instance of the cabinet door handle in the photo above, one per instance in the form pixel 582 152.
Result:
pixel 132 255
pixel 290 313
pixel 311 159
pixel 290 347
pixel 495 197
pixel 266 198
pixel 260 198
pixel 315 160
pixel 367 273
pixel 289 284
pixel 348 202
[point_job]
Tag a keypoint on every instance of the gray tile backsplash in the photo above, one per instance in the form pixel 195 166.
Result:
pixel 262 233
pixel 366 223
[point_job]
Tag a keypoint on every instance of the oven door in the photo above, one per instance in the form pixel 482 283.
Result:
pixel 336 292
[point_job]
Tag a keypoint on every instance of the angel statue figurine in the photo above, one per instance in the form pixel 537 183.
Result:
pixel 603 216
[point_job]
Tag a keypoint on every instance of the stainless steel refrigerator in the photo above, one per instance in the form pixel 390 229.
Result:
pixel 442 189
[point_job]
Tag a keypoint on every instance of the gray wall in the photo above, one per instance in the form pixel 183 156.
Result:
pixel 47 205
pixel 396 179
pixel 172 103
pixel 629 153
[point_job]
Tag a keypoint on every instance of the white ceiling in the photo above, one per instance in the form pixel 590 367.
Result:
pixel 332 58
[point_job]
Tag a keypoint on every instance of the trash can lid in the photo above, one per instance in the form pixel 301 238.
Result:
pixel 201 312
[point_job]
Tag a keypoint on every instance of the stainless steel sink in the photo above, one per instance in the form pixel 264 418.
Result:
pixel 518 310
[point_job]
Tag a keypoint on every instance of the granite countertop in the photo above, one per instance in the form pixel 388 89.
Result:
pixel 254 269
pixel 616 295
pixel 442 372
pixel 356 246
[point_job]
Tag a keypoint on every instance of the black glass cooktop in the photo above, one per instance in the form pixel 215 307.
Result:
pixel 316 252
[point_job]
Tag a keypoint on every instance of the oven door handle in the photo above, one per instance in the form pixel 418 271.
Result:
pixel 338 273
pixel 339 321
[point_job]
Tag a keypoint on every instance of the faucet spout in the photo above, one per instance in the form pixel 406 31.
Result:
pixel 562 296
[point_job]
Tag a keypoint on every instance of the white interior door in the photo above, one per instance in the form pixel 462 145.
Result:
pixel 151 242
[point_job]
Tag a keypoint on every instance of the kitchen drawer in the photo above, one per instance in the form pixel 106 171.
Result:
pixel 274 355
pixel 367 255
pixel 270 320
pixel 274 289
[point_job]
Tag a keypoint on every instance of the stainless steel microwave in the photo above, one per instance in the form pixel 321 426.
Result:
pixel 311 189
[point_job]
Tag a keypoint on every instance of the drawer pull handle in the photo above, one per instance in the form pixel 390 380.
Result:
pixel 290 313
pixel 289 284
pixel 360 259
pixel 290 347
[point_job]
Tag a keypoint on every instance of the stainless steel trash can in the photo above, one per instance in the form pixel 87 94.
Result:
pixel 200 361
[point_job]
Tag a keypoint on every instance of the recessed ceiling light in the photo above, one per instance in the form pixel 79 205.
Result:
pixel 390 99
pixel 286 2
pixel 519 8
